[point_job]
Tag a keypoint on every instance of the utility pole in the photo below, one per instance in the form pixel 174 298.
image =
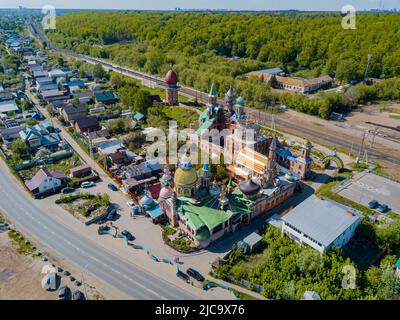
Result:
pixel 352 145
pixel 361 147
pixel 375 132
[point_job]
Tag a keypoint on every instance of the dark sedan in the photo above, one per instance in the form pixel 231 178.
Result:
pixel 195 274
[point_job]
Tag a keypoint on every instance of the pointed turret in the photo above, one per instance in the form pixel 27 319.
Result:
pixel 229 187
pixel 212 97
pixel 230 97
pixel 213 91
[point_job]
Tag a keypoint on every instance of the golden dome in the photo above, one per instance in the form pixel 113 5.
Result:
pixel 187 177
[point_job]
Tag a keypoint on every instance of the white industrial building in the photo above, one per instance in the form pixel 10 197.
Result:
pixel 321 224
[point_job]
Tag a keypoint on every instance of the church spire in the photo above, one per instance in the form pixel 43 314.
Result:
pixel 212 97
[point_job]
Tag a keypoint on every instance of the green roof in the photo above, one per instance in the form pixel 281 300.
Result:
pixel 209 215
pixel 207 122
pixel 105 96
pixel 213 91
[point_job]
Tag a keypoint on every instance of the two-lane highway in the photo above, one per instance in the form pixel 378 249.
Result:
pixel 26 212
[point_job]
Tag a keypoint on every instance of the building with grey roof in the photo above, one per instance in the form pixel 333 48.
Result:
pixel 8 107
pixel 321 223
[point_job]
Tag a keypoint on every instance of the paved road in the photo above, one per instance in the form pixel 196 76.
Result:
pixel 127 278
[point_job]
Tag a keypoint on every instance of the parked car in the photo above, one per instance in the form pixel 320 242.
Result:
pixel 131 204
pixel 63 293
pixel 128 235
pixel 373 204
pixel 111 215
pixel 78 295
pixel 67 190
pixel 195 274
pixel 383 208
pixel 103 228
pixel 183 276
pixel 112 187
pixel 87 184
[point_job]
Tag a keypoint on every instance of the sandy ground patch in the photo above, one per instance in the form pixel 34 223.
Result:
pixel 20 275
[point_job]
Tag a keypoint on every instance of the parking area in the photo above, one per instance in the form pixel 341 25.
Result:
pixel 365 187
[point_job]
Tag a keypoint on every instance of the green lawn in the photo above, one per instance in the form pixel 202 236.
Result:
pixel 183 116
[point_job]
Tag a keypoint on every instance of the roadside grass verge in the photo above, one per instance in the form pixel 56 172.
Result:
pixel 23 246
pixel 243 296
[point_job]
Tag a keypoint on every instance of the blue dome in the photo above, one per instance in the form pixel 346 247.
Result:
pixel 147 202
pixel 186 165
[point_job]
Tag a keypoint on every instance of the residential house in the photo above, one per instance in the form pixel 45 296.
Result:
pixel 9 107
pixel 73 112
pixel 144 170
pixel 103 133
pixel 87 124
pixel 40 136
pixel 110 146
pixel 81 171
pixel 84 97
pixel 10 134
pixel 44 80
pixel 47 87
pixel 106 98
pixel 76 85
pixel 57 74
pixel 34 115
pixel 54 95
pixel 6 96
pixel 46 182
pixel 10 123
pixel 40 74
pixel 119 157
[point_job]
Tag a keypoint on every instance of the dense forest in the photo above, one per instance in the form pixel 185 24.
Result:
pixel 208 47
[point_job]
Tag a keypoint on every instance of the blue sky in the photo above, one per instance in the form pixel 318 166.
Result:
pixel 213 4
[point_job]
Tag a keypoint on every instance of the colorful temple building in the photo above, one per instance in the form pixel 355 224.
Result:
pixel 205 211
pixel 233 140
pixel 262 175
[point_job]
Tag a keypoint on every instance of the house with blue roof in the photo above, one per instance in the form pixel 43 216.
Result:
pixel 138 116
pixel 76 85
pixel 40 135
